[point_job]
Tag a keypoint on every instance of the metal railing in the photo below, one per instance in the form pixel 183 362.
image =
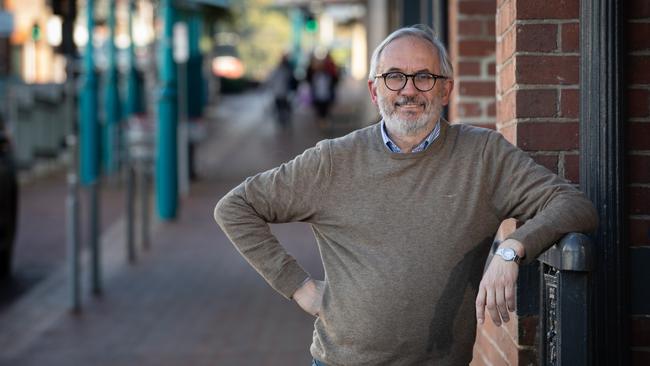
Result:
pixel 565 269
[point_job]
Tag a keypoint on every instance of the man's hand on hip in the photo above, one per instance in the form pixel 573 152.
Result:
pixel 497 288
pixel 309 296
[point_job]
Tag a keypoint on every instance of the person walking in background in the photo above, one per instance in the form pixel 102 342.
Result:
pixel 323 78
pixel 404 213
pixel 283 84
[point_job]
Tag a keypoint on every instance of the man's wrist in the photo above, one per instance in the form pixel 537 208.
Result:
pixel 516 246
pixel 302 286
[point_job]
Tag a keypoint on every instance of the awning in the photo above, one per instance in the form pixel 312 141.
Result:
pixel 224 4
pixel 309 2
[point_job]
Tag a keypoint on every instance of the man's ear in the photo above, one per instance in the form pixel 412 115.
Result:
pixel 447 89
pixel 373 91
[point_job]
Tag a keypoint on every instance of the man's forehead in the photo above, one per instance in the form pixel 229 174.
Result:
pixel 409 52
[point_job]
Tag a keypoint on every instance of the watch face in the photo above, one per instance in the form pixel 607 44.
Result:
pixel 507 253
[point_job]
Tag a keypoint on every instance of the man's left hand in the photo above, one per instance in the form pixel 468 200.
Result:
pixel 497 288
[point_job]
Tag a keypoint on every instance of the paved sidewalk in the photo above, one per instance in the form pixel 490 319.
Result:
pixel 191 299
pixel 40 244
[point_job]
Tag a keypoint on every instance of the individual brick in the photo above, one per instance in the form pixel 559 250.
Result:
pixel 548 136
pixel 556 70
pixel 536 37
pixel 531 103
pixel 548 9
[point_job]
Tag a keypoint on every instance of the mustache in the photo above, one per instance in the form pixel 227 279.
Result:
pixel 410 100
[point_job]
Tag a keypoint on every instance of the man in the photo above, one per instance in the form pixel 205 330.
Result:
pixel 404 213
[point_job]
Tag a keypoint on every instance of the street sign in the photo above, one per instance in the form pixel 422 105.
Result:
pixel 6 24
pixel 181 43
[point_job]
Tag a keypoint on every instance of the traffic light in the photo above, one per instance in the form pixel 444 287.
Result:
pixel 36 32
pixel 311 24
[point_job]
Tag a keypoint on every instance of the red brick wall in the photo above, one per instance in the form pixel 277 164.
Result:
pixel 538 80
pixel 472 40
pixel 638 155
pixel 538 100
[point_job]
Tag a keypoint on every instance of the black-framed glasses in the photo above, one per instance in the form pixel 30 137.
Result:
pixel 423 81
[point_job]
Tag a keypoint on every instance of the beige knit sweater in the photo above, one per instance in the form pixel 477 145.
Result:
pixel 403 237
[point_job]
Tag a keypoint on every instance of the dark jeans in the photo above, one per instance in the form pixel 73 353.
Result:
pixel 317 363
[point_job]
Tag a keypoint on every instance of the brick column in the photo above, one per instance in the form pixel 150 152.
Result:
pixel 537 106
pixel 638 177
pixel 472 51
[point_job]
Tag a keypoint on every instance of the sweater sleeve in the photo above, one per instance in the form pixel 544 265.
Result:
pixel 291 192
pixel 549 206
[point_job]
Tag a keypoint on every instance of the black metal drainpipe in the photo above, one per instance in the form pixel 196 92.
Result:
pixel 602 154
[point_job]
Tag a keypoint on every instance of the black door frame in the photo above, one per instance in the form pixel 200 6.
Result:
pixel 602 172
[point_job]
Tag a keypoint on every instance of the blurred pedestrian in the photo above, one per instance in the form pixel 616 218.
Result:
pixel 283 84
pixel 404 213
pixel 322 74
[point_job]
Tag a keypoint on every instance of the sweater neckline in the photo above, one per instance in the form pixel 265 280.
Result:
pixel 432 149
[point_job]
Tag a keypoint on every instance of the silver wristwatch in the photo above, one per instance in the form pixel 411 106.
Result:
pixel 508 255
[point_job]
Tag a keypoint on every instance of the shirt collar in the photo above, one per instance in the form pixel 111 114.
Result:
pixel 392 146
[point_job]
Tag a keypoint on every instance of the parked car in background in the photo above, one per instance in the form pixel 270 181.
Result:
pixel 8 201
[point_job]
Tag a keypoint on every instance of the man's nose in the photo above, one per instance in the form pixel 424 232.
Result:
pixel 409 88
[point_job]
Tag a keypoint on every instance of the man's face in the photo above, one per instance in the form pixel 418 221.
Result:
pixel 409 112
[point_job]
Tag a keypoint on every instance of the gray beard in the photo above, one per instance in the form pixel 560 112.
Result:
pixel 408 127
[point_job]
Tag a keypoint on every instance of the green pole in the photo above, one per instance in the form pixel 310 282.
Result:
pixel 89 126
pixel 195 85
pixel 90 144
pixel 166 148
pixel 112 97
pixel 297 23
pixel 133 104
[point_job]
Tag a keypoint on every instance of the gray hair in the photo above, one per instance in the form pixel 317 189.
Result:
pixel 419 31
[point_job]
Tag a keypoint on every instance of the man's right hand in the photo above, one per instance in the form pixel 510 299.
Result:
pixel 309 296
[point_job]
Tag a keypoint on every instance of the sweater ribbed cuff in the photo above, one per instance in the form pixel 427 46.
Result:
pixel 291 278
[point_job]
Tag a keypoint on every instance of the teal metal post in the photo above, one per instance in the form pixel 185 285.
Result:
pixel 166 148
pixel 89 126
pixel 90 145
pixel 297 24
pixel 112 98
pixel 196 29
pixel 196 92
pixel 134 92
pixel 195 80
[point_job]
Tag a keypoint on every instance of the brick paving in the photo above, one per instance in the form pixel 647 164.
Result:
pixel 191 299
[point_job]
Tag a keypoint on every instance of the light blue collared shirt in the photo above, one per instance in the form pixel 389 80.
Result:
pixel 392 146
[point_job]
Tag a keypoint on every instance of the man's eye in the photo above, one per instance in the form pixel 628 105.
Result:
pixel 423 76
pixel 394 76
